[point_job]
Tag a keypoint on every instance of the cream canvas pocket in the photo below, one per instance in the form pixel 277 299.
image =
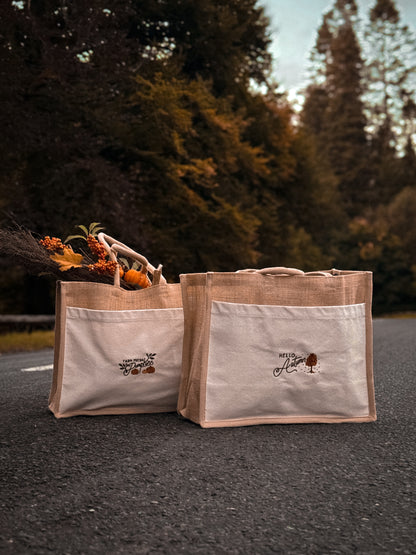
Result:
pixel 121 358
pixel 286 362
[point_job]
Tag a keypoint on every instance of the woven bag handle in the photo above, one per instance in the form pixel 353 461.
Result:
pixel 283 271
pixel 325 274
pixel 114 247
pixel 275 271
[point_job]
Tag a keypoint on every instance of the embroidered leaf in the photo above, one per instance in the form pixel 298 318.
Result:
pixel 68 260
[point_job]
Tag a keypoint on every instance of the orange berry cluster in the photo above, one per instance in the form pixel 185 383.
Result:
pixel 96 247
pixel 104 267
pixel 52 243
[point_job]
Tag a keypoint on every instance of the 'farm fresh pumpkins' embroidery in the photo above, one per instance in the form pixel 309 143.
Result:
pixel 135 366
pixel 291 362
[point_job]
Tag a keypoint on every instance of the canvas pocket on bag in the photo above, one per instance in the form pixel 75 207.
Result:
pixel 286 362
pixel 121 358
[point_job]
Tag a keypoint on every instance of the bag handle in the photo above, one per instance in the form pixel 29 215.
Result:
pixel 283 271
pixel 325 274
pixel 114 247
pixel 275 271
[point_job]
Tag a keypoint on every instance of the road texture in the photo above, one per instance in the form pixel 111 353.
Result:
pixel 156 484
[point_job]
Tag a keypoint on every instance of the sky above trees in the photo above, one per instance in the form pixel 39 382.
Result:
pixel 294 26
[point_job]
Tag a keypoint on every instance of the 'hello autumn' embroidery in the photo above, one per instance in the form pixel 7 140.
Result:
pixel 292 362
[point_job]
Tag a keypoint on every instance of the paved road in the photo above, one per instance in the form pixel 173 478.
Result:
pixel 155 484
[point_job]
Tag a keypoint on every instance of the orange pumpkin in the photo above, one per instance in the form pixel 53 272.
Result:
pixel 137 278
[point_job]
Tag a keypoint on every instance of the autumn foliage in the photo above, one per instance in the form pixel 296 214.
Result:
pixel 162 120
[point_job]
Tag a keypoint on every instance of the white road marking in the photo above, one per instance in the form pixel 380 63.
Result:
pixel 38 368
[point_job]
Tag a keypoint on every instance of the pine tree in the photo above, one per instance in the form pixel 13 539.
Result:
pixel 384 164
pixel 390 73
pixel 296 201
pixel 345 121
pixel 226 42
pixel 333 110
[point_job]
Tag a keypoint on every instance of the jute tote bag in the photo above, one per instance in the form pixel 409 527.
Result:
pixel 277 346
pixel 117 351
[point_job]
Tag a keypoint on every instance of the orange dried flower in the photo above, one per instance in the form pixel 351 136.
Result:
pixel 96 247
pixel 52 244
pixel 103 267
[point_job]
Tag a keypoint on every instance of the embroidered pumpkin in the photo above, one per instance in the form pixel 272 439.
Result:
pixel 135 371
pixel 149 370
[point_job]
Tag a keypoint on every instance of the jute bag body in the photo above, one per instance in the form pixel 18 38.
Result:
pixel 261 348
pixel 116 351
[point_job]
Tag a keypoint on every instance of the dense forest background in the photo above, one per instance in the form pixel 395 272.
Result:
pixel 160 119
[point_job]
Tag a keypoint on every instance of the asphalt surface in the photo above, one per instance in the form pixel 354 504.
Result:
pixel 140 484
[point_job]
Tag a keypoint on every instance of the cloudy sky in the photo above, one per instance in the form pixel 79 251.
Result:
pixel 294 24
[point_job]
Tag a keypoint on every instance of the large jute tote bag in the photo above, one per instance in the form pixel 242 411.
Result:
pixel 277 346
pixel 117 351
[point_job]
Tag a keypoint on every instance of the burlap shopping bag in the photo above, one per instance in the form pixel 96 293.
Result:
pixel 117 351
pixel 277 346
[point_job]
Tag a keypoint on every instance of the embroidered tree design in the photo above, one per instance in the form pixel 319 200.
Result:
pixel 311 361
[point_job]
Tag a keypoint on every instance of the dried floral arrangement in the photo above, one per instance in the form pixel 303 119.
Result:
pixel 52 256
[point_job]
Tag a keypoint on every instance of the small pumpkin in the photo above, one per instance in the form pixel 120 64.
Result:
pixel 135 371
pixel 137 278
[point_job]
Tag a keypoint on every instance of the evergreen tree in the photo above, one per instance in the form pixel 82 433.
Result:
pixel 390 74
pixel 333 110
pixel 345 122
pixel 296 201
pixel 384 165
pixel 314 111
pixel 226 42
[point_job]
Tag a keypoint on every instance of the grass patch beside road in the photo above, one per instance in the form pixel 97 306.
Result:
pixel 398 315
pixel 24 341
